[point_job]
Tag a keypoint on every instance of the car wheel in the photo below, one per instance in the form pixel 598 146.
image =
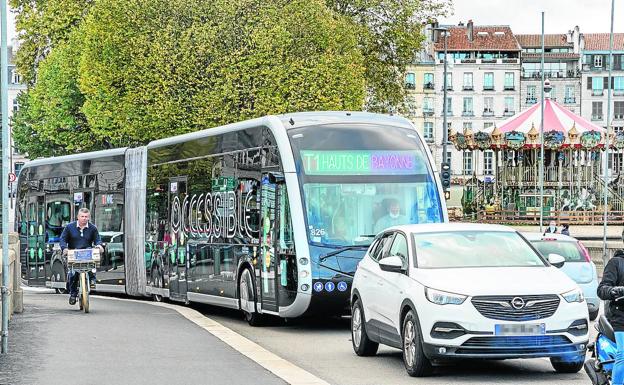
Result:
pixel 362 345
pixel 416 363
pixel 593 314
pixel 247 298
pixel 567 364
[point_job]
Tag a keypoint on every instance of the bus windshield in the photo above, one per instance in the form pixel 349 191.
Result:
pixel 360 179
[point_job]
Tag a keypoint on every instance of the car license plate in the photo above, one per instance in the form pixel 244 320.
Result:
pixel 519 329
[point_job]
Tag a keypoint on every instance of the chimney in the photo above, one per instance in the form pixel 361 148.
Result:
pixel 469 31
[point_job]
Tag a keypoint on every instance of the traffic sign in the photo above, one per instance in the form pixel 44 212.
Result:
pixel 12 177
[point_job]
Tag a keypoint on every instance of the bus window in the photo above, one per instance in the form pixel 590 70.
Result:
pixel 57 217
pixel 109 213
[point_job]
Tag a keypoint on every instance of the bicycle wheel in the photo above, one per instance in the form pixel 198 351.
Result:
pixel 84 292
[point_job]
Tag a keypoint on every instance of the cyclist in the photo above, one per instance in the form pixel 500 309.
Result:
pixel 79 235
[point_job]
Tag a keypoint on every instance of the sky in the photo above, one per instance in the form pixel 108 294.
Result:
pixel 524 16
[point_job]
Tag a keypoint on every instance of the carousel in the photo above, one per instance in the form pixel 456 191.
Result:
pixel 573 176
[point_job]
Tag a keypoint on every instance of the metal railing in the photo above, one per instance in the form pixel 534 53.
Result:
pixel 531 216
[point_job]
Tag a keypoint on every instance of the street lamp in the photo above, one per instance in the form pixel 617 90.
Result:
pixel 444 106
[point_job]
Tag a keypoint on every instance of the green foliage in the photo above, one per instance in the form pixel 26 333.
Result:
pixel 42 25
pixel 389 36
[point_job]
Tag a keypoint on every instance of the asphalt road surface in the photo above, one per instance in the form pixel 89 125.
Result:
pixel 323 347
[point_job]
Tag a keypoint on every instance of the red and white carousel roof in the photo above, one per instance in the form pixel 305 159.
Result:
pixel 556 118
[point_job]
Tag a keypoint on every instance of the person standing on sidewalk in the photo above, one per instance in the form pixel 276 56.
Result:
pixel 79 235
pixel 610 289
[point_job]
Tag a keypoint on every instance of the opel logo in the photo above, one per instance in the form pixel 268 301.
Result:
pixel 517 303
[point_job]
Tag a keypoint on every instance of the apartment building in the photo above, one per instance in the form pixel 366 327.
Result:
pixel 562 58
pixel 483 87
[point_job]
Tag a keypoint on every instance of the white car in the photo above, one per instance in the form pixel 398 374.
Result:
pixel 453 291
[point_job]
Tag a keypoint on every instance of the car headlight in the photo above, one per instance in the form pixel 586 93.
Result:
pixel 575 295
pixel 444 298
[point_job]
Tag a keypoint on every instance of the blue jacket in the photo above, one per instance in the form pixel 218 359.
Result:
pixel 73 238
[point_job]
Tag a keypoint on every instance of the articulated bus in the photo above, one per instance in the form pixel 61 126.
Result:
pixel 269 216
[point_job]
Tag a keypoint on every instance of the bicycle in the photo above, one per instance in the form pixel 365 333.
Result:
pixel 82 261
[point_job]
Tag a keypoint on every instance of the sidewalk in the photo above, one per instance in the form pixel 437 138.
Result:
pixel 119 342
pixel 581 231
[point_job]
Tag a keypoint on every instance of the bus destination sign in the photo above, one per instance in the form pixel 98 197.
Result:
pixel 362 162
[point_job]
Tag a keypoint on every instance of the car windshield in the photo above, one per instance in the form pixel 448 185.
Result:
pixel 453 249
pixel 359 179
pixel 567 249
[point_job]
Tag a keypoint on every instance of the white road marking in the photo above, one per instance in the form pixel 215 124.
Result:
pixel 283 369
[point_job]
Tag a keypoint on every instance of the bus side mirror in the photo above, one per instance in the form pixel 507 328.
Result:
pixel 276 177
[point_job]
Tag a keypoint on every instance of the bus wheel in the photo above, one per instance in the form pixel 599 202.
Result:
pixel 247 298
pixel 58 275
pixel 157 281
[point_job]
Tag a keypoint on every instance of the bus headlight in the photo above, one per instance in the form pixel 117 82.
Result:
pixel 303 261
pixel 304 274
pixel 305 287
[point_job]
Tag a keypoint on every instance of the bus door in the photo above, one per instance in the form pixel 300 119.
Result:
pixel 268 241
pixel 36 239
pixel 178 284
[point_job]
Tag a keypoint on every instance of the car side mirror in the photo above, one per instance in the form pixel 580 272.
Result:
pixel 392 264
pixel 556 260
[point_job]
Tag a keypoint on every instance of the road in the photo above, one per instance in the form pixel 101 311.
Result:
pixel 323 347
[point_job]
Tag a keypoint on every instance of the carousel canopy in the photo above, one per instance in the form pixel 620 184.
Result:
pixel 556 118
pixel 562 129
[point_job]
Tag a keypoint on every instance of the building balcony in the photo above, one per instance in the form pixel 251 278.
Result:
pixel 597 92
pixel 428 112
pixel 509 113
pixel 428 86
pixel 448 113
pixel 596 117
pixel 467 113
pixel 569 100
pixel 618 116
pixel 468 87
pixel 488 112
pixel 509 88
pixel 410 86
pixel 448 88
pixel 488 88
pixel 618 92
pixel 530 100
pixel 537 75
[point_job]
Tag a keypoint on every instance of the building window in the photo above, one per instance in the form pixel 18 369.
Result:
pixel 488 81
pixel 428 131
pixel 428 81
pixel 618 85
pixel 487 125
pixel 597 84
pixel 18 167
pixel 488 162
pixel 618 110
pixel 467 126
pixel 449 156
pixel 596 110
pixel 449 106
pixel 467 162
pixel 569 95
pixel 598 61
pixel 488 106
pixel 15 105
pixel 509 81
pixel 468 111
pixel 428 105
pixel 14 76
pixel 449 81
pixel 531 98
pixel 553 93
pixel 410 81
pixel 468 81
pixel 509 105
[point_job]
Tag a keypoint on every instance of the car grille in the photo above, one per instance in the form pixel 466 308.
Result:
pixel 502 307
pixel 547 344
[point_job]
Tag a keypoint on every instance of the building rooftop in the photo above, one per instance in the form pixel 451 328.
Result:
pixel 550 40
pixel 485 38
pixel 600 41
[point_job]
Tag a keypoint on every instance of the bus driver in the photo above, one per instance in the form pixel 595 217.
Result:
pixel 79 235
pixel 392 218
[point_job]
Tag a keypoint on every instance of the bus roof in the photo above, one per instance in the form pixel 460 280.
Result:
pixel 288 121
pixel 75 157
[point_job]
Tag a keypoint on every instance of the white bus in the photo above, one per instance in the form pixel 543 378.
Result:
pixel 270 215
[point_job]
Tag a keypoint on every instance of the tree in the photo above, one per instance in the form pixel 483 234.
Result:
pixel 154 68
pixel 138 70
pixel 389 36
pixel 41 25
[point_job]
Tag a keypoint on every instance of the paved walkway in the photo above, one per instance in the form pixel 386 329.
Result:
pixel 119 342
